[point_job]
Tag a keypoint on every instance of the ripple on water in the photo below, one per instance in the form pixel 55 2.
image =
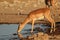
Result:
pixel 7 31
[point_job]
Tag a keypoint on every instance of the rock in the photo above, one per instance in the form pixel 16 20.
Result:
pixel 39 36
pixel 40 33
pixel 15 34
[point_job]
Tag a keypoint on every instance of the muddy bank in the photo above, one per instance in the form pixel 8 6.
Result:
pixel 40 35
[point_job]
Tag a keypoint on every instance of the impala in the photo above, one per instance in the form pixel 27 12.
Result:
pixel 38 15
pixel 49 3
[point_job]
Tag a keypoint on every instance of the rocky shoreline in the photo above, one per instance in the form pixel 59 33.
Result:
pixel 41 35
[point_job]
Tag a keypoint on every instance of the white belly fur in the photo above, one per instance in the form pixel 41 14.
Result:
pixel 40 18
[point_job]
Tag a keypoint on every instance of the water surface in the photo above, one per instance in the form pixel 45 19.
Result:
pixel 7 30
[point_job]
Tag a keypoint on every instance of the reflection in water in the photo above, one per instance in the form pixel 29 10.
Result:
pixel 7 31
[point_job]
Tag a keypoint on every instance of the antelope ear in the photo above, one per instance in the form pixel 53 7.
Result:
pixel 19 24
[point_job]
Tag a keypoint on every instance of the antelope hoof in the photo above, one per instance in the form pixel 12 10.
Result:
pixel 51 31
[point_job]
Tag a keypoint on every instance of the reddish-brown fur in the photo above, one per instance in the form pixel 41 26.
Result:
pixel 38 15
